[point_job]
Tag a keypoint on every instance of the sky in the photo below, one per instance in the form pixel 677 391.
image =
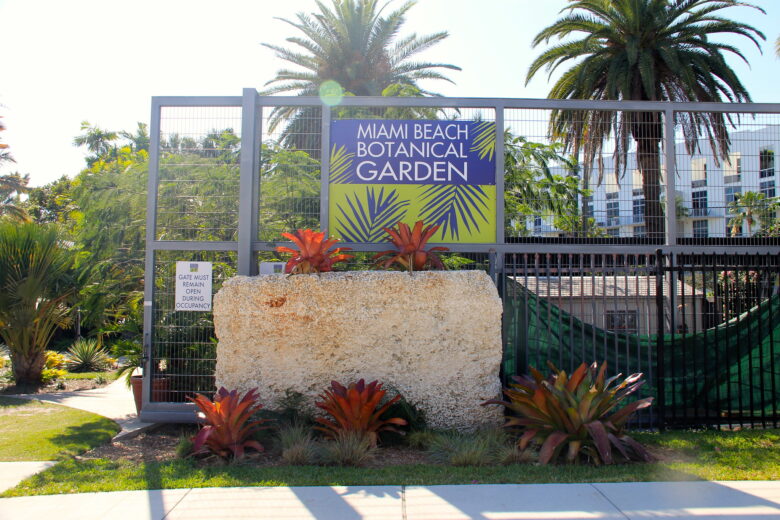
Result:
pixel 102 60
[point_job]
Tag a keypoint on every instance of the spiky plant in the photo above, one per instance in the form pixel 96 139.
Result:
pixel 313 254
pixel 579 415
pixel 410 250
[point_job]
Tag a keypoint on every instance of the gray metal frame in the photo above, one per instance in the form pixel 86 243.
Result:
pixel 247 246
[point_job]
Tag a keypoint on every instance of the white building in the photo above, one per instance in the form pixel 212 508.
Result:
pixel 704 185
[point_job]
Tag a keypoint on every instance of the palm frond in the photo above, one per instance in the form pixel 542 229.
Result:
pixel 454 207
pixel 363 219
pixel 340 165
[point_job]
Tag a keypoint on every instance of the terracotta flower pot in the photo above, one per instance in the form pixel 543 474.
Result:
pixel 159 390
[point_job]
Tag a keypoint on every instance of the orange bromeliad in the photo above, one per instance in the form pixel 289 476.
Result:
pixel 410 244
pixel 312 255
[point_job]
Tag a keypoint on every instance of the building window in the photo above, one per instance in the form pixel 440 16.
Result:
pixel 732 192
pixel 537 224
pixel 588 206
pixel 766 163
pixel 699 199
pixel 698 173
pixel 640 232
pixel 613 195
pixel 639 211
pixel 768 189
pixel 613 213
pixel 700 229
pixel 622 321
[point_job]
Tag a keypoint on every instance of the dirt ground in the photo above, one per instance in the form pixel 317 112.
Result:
pixel 63 385
pixel 160 444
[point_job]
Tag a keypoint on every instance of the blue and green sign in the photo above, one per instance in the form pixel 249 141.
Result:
pixel 442 172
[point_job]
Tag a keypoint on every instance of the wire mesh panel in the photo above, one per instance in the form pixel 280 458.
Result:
pixel 197 197
pixel 289 171
pixel 183 342
pixel 584 175
pixel 726 184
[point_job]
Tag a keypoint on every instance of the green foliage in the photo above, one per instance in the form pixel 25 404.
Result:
pixel 132 353
pixel 184 447
pixel 297 445
pixel 356 409
pixel 36 278
pixel 54 367
pixel 581 413
pixel 87 355
pixel 751 208
pixel 350 448
pixel 228 429
pixel 483 448
pixel 11 189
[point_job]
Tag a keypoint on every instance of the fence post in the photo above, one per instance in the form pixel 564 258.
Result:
pixel 659 345
pixel 671 192
pixel 325 167
pixel 248 184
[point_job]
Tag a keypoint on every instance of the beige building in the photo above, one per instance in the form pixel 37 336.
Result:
pixel 622 303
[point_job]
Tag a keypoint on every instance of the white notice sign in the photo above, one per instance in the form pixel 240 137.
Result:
pixel 193 286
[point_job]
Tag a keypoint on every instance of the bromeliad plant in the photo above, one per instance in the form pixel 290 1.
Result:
pixel 312 255
pixel 229 428
pixel 354 409
pixel 578 415
pixel 410 248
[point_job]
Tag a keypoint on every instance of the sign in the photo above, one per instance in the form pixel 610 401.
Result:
pixel 193 286
pixel 439 171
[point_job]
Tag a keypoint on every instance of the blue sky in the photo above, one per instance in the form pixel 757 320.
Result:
pixel 103 60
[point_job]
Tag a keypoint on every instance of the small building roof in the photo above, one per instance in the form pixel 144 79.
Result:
pixel 576 286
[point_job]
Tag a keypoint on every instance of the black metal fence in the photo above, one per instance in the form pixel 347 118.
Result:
pixel 701 328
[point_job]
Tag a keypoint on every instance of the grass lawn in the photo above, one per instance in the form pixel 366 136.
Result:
pixel 32 430
pixel 746 455
pixel 110 376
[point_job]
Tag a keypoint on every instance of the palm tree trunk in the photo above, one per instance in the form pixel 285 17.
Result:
pixel 647 131
pixel 27 368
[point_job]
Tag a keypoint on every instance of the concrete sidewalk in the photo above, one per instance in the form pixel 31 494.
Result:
pixel 758 500
pixel 114 401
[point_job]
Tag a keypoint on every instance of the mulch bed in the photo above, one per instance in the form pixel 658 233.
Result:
pixel 63 385
pixel 159 444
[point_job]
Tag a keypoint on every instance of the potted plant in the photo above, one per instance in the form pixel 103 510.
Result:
pixel 131 353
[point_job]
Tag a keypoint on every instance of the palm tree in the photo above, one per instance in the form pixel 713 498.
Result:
pixel 751 208
pixel 5 156
pixel 355 46
pixel 97 141
pixel 645 50
pixel 34 285
pixel 11 188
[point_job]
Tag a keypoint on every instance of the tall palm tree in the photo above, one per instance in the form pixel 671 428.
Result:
pixel 646 50
pixel 354 45
pixel 11 188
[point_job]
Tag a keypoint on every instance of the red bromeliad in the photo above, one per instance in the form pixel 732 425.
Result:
pixel 410 244
pixel 312 255
pixel 354 409
pixel 228 429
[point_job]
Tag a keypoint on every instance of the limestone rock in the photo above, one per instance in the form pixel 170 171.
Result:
pixel 435 337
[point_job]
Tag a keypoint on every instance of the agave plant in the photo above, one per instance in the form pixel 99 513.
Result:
pixel 410 248
pixel 580 413
pixel 354 409
pixel 87 355
pixel 228 429
pixel 313 254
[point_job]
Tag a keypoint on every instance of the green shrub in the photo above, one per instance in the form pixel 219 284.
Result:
pixel 350 448
pixel 297 445
pixel 464 449
pixel 421 439
pixel 87 355
pixel 184 447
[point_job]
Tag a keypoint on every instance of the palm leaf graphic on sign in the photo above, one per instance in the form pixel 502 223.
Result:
pixel 362 220
pixel 453 206
pixel 484 140
pixel 340 165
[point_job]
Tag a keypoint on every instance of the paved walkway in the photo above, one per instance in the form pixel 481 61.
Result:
pixel 114 401
pixel 667 500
